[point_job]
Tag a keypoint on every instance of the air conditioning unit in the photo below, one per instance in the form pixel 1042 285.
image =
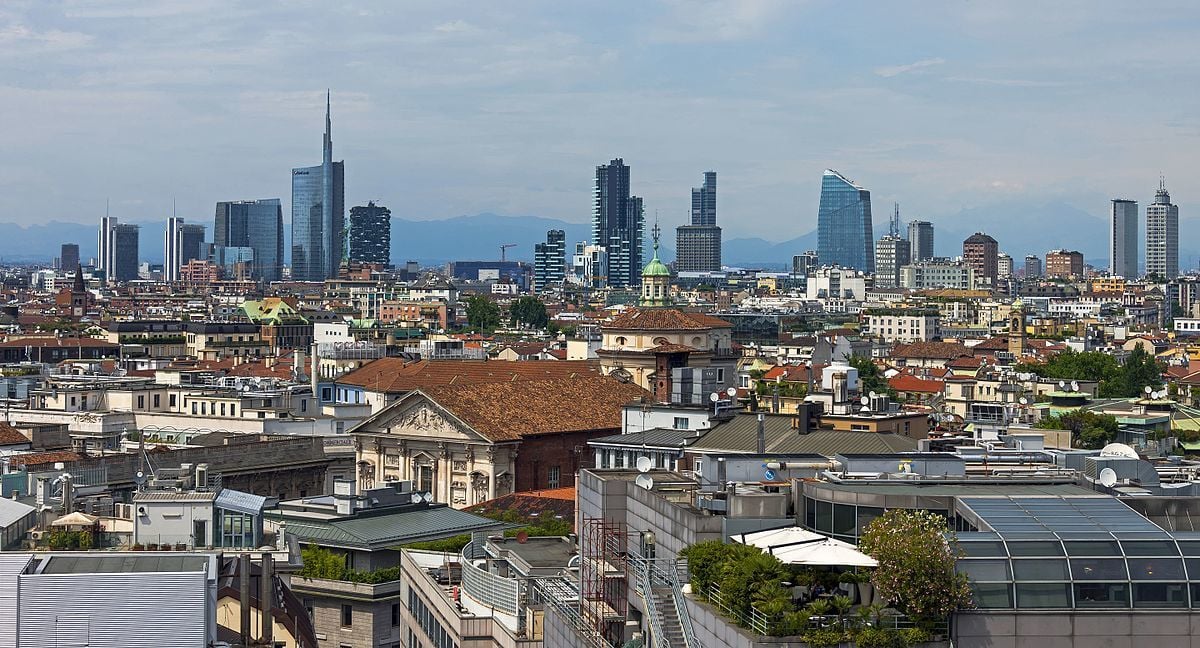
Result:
pixel 36 535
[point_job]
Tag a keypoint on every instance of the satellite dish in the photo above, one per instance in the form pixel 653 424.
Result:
pixel 714 397
pixel 1108 478
pixel 1062 384
pixel 864 400
pixel 873 395
pixel 1118 450
pixel 643 464
pixel 1148 389
pixel 1074 385
pixel 1023 400
pixel 644 481
pixel 732 391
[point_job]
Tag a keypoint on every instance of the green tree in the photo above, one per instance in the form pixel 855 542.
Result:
pixel 917 556
pixel 870 377
pixel 1088 429
pixel 322 563
pixel 528 311
pixel 1130 379
pixel 482 313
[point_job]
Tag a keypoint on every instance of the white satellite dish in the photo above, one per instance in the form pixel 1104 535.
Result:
pixel 1062 384
pixel 1118 450
pixel 1108 478
pixel 644 481
pixel 1074 385
pixel 874 395
pixel 1023 400
pixel 1148 389
pixel 864 400
pixel 644 464
pixel 732 391
pixel 714 397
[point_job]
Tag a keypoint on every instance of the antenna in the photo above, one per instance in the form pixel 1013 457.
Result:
pixel 644 464
pixel 644 481
pixel 1108 478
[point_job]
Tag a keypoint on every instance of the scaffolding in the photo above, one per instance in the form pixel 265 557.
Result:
pixel 603 576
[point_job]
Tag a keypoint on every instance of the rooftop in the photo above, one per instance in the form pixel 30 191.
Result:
pixel 124 564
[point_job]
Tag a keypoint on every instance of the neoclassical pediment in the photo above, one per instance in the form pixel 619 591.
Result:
pixel 424 418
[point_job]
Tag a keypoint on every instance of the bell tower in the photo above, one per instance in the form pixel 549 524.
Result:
pixel 1016 329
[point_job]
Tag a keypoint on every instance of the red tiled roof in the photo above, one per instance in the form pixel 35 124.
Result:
pixel 43 458
pixel 559 502
pixel 663 319
pixel 792 373
pixel 930 350
pixel 507 411
pixel 912 384
pixel 393 375
pixel 10 435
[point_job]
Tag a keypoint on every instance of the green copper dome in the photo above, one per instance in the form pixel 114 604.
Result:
pixel 656 268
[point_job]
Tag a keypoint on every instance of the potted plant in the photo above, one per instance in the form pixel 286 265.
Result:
pixel 847 582
pixel 180 546
pixel 150 546
pixel 841 607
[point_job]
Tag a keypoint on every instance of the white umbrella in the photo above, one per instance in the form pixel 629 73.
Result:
pixel 771 540
pixel 825 552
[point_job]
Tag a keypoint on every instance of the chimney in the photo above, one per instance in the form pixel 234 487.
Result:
pixel 266 600
pixel 244 595
pixel 762 434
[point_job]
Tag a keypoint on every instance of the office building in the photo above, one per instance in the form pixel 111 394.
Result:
pixel 1033 266
pixel 589 265
pixel 844 224
pixel 68 258
pixel 118 248
pixel 618 224
pixel 935 273
pixel 698 245
pixel 250 232
pixel 371 234
pixel 891 252
pixel 1004 266
pixel 1064 264
pixel 318 214
pixel 182 243
pixel 1162 236
pixel 804 264
pixel 1123 247
pixel 550 261
pixel 920 240
pixel 981 254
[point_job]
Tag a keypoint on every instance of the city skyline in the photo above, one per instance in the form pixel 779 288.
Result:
pixel 934 165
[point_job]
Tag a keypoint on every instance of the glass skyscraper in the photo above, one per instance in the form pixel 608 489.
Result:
pixel 844 235
pixel 618 224
pixel 318 215
pixel 250 231
pixel 698 245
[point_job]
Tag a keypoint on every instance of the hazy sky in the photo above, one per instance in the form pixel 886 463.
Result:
pixel 442 108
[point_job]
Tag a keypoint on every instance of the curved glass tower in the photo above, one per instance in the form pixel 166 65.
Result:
pixel 318 215
pixel 844 224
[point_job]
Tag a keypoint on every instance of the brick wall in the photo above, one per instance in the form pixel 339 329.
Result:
pixel 569 451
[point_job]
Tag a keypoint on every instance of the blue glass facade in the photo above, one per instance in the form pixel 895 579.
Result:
pixel 318 215
pixel 844 235
pixel 250 231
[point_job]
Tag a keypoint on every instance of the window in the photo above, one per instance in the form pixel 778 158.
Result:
pixel 171 400
pixel 681 423
pixel 157 400
pixel 193 407
pixel 395 614
pixel 552 477
pixel 697 467
pixel 141 401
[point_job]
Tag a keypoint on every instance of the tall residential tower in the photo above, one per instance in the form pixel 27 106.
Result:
pixel 318 214
pixel 371 234
pixel 698 245
pixel 618 224
pixel 550 261
pixel 844 224
pixel 1123 239
pixel 1162 235
pixel 920 240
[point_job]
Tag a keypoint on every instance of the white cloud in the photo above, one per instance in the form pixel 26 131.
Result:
pixel 894 70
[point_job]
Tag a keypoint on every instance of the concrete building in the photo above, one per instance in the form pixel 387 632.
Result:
pixel 934 274
pixel 618 223
pixel 901 325
pixel 891 252
pixel 1033 266
pixel 1064 264
pixel 981 254
pixel 920 237
pixel 1004 266
pixel 1124 249
pixel 836 283
pixel 698 244
pixel 589 265
pixel 1162 235
pixel 804 264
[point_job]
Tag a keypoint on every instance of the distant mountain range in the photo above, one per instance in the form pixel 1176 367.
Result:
pixel 1020 228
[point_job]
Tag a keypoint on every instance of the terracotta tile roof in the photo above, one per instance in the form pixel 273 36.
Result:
pixel 997 343
pixel 43 458
pixel 56 342
pixel 507 411
pixel 913 384
pixel 10 435
pixel 793 373
pixel 663 319
pixel 930 350
pixel 672 348
pixel 395 375
pixel 561 354
pixel 966 362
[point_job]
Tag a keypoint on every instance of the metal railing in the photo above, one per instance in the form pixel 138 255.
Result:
pixel 652 573
pixel 503 594
pixel 562 596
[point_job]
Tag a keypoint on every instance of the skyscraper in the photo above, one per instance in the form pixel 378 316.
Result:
pixel 844 224
pixel 920 240
pixel 891 252
pixel 981 254
pixel 1033 266
pixel 550 261
pixel 1162 235
pixel 618 224
pixel 1123 245
pixel 318 214
pixel 118 246
pixel 250 231
pixel 698 245
pixel 371 234
pixel 68 258
pixel 181 243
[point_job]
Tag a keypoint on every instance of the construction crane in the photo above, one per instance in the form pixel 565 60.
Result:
pixel 504 248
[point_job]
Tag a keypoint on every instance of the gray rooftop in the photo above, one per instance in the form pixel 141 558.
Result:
pixel 124 564
pixel 657 437
pixel 386 530
pixel 741 433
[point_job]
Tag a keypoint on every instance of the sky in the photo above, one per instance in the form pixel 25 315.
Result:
pixel 445 108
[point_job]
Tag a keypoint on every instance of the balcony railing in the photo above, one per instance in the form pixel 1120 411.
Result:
pixel 504 594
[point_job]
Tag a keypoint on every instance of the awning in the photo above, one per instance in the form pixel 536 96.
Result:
pixel 826 552
pixel 770 539
pixel 75 519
